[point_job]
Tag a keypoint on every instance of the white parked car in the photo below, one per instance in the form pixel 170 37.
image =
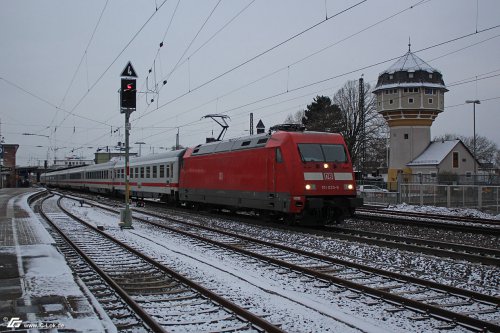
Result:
pixel 370 188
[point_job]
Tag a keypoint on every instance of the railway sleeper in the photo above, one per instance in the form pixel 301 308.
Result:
pixel 148 284
pixel 198 322
pixel 192 295
pixel 213 309
pixel 450 305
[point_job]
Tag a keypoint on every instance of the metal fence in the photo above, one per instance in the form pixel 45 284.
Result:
pixel 485 198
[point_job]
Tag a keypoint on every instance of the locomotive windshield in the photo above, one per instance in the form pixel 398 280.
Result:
pixel 313 152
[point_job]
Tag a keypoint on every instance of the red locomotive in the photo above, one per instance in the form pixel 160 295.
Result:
pixel 304 177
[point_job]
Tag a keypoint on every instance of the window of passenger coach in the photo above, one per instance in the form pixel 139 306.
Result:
pixel 162 171
pixel 154 171
pixel 148 172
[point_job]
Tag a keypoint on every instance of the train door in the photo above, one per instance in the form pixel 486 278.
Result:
pixel 277 180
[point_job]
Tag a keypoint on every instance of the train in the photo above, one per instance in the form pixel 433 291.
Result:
pixel 292 175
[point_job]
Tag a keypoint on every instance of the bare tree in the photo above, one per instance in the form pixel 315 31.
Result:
pixel 347 98
pixel 295 118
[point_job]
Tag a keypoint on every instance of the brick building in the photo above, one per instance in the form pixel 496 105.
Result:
pixel 8 174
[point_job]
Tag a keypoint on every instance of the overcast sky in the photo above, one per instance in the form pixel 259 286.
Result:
pixel 60 65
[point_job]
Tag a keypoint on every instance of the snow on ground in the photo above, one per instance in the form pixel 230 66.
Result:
pixel 469 212
pixel 305 306
pixel 45 274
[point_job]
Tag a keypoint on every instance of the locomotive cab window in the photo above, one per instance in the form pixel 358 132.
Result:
pixel 312 152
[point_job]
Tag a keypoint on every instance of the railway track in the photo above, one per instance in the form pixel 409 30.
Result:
pixel 486 256
pixel 456 223
pixel 449 307
pixel 140 294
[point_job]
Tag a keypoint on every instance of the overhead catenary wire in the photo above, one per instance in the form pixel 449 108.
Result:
pixel 361 69
pixel 219 97
pixel 71 112
pixel 257 56
pixel 296 62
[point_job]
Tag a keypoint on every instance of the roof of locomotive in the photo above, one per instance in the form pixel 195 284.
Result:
pixel 261 140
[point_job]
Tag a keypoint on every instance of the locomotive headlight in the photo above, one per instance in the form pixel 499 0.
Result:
pixel 310 186
pixel 349 187
pixel 325 165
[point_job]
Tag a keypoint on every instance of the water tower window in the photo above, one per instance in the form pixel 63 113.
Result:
pixel 430 100
pixel 410 75
pixel 410 100
pixel 406 136
pixel 391 101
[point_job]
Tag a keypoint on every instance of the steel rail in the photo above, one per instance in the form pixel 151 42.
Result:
pixel 243 313
pixel 153 324
pixel 383 210
pixel 486 256
pixel 405 302
pixel 430 224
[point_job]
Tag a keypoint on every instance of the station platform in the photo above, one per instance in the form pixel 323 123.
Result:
pixel 38 292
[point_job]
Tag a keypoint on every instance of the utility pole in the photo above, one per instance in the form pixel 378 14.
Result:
pixel 128 93
pixel 361 105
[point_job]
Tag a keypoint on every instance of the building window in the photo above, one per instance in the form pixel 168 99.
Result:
pixel 387 92
pixel 433 174
pixel 430 100
pixel 406 136
pixel 468 174
pixel 430 75
pixel 391 77
pixel 391 101
pixel 455 159
pixel 410 100
pixel 410 75
pixel 405 90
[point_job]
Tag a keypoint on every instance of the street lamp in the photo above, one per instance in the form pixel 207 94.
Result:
pixel 474 102
pixel 140 143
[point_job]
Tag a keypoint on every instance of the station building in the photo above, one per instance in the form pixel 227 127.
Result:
pixel 410 95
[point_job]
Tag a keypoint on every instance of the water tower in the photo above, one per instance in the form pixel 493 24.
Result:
pixel 410 95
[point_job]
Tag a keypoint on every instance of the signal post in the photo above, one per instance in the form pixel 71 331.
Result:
pixel 128 93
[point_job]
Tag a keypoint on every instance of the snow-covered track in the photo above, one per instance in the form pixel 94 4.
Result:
pixel 162 298
pixel 428 300
pixel 437 221
pixel 486 256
